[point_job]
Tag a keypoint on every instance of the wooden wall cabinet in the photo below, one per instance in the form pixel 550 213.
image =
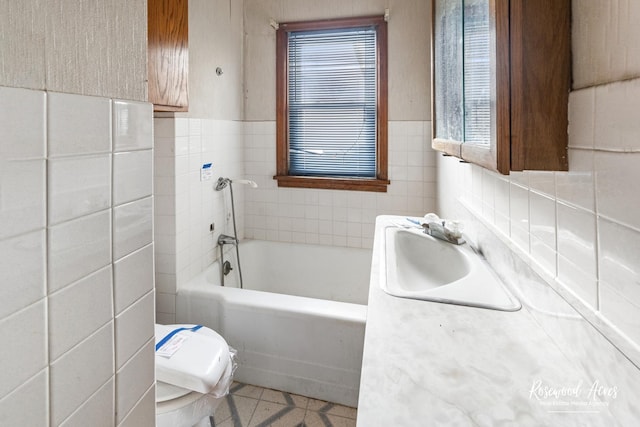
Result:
pixel 501 78
pixel 168 54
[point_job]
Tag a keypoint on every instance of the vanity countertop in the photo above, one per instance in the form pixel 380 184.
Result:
pixel 433 364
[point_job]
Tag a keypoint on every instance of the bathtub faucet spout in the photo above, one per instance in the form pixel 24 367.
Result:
pixel 224 239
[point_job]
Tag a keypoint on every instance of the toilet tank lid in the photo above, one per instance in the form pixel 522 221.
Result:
pixel 198 362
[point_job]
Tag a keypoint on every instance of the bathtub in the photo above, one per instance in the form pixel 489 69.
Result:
pixel 298 324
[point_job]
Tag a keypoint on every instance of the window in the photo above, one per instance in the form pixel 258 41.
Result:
pixel 331 91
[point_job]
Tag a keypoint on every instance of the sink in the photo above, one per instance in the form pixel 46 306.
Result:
pixel 418 266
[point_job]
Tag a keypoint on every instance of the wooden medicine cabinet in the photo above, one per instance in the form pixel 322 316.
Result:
pixel 501 77
pixel 168 54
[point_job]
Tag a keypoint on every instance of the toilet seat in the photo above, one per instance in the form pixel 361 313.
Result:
pixel 166 392
pixel 186 411
pixel 179 403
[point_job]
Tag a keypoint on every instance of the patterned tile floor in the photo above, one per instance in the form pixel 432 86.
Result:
pixel 251 406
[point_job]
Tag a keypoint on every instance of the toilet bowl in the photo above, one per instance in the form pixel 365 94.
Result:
pixel 194 369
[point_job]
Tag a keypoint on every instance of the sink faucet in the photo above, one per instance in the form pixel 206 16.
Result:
pixel 449 231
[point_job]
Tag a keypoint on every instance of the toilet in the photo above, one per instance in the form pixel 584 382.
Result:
pixel 194 370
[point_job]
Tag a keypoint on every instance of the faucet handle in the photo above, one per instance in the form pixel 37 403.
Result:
pixel 454 228
pixel 431 217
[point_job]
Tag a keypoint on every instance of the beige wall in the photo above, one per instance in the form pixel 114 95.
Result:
pixel 409 58
pixel 75 46
pixel 215 40
pixel 605 41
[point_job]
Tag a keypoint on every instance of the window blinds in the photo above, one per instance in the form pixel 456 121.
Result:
pixel 477 73
pixel 332 103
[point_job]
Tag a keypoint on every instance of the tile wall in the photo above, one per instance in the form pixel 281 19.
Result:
pixel 579 229
pixel 333 217
pixel 185 206
pixel 76 260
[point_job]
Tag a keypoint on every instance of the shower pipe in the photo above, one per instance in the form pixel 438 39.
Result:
pixel 224 239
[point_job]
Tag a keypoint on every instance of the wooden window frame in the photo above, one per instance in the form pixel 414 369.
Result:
pixel 381 181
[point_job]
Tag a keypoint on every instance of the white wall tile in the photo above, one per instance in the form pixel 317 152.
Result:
pixel 619 255
pixel 620 310
pixel 78 124
pixel 477 174
pixel 577 237
pixel 488 195
pixel 75 132
pixel 78 310
pixel 502 205
pixel 544 255
pixel 619 273
pixel 28 404
pixel 616 120
pixel 22 263
pixel 80 373
pixel 519 178
pixel 165 263
pixel 519 209
pixel 22 196
pixel 144 413
pixel 77 248
pixel 520 237
pixel 581 282
pixel 133 277
pixel 166 302
pixel 576 187
pixel 407 193
pixel 181 126
pixel 616 193
pixel 132 125
pixel 134 328
pixel 581 118
pixel 24 334
pixel 165 318
pixel 132 176
pixel 97 411
pixel 576 250
pixel 134 379
pixel 22 120
pixel 132 227
pixel 70 197
pixel 542 210
pixel 542 182
pixel 597 261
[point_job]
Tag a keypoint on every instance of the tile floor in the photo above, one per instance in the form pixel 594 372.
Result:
pixel 251 406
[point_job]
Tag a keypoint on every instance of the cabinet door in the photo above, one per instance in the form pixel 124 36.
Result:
pixel 465 105
pixel 501 79
pixel 168 54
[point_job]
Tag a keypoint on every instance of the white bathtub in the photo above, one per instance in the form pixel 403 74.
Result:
pixel 298 324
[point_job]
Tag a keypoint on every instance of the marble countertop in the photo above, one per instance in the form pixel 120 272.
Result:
pixel 432 364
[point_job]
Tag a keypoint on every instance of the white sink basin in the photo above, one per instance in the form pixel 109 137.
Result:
pixel 416 265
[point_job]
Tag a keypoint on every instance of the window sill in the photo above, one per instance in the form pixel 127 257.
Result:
pixel 376 185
